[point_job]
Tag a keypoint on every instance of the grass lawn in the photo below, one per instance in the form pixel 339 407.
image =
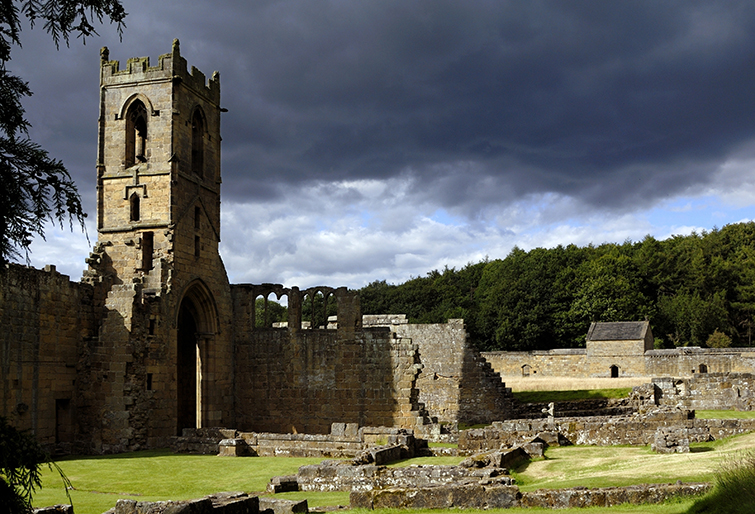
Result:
pixel 568 395
pixel 160 475
pixel 724 414
pixel 604 466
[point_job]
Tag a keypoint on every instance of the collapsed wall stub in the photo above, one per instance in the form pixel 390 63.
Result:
pixel 456 384
pixel 711 391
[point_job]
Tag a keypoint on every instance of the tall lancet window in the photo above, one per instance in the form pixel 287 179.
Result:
pixel 197 143
pixel 134 207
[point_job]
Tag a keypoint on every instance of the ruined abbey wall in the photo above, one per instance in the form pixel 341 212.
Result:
pixel 455 383
pixel 631 362
pixel 44 318
pixel 548 363
pixel 303 381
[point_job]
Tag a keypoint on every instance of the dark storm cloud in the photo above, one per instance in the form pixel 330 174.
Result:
pixel 475 102
pixel 611 102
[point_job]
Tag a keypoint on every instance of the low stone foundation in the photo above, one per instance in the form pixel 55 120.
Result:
pixel 597 431
pixel 346 440
pixel 342 476
pixel 221 503
pixel 62 508
pixel 496 496
pixel 576 408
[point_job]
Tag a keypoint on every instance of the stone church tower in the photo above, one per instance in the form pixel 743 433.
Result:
pixel 162 360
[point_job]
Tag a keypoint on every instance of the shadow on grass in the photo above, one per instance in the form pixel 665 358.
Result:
pixel 163 452
pixel 700 449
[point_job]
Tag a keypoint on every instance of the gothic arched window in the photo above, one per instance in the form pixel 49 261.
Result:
pixel 136 133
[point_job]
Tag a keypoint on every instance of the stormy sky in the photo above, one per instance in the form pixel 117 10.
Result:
pixel 380 140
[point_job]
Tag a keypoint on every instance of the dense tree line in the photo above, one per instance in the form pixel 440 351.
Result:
pixel 696 290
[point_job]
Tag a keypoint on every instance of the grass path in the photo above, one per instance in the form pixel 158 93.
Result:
pixel 595 466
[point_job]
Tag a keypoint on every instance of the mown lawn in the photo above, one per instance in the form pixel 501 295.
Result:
pixel 569 395
pixel 160 475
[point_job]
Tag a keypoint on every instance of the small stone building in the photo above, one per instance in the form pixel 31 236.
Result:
pixel 618 346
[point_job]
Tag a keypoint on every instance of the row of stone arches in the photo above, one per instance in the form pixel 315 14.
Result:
pixel 274 306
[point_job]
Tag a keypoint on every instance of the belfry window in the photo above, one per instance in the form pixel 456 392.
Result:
pixel 197 143
pixel 133 202
pixel 136 134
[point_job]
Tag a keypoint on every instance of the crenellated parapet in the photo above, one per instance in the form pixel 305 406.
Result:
pixel 170 67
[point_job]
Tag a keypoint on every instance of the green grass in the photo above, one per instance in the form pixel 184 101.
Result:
pixel 604 466
pixel 160 475
pixel 734 489
pixel 565 396
pixel 724 414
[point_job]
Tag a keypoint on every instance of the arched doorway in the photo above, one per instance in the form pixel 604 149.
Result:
pixel 196 327
pixel 614 371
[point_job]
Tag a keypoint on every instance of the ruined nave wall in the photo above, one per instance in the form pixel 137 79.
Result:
pixel 305 380
pixel 44 317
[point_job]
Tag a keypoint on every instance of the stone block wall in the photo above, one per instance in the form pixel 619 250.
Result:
pixel 345 440
pixel 714 391
pixel 343 476
pixel 597 431
pixel 496 496
pixel 291 380
pixel 550 363
pixel 692 361
pixel 456 384
pixel 44 317
pixel 579 363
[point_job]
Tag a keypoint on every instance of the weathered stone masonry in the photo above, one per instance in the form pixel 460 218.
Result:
pixel 622 349
pixel 155 339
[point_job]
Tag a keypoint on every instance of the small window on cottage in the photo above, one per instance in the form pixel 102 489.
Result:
pixel 133 201
pixel 136 134
pixel 197 143
pixel 703 368
pixel 526 370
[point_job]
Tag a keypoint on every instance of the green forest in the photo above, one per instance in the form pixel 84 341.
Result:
pixel 696 290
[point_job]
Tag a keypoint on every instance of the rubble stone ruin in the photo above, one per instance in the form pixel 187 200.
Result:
pixel 154 348
pixel 154 339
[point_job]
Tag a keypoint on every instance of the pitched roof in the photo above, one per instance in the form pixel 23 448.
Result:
pixel 618 331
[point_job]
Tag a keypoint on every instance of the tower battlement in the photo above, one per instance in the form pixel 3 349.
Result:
pixel 170 66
